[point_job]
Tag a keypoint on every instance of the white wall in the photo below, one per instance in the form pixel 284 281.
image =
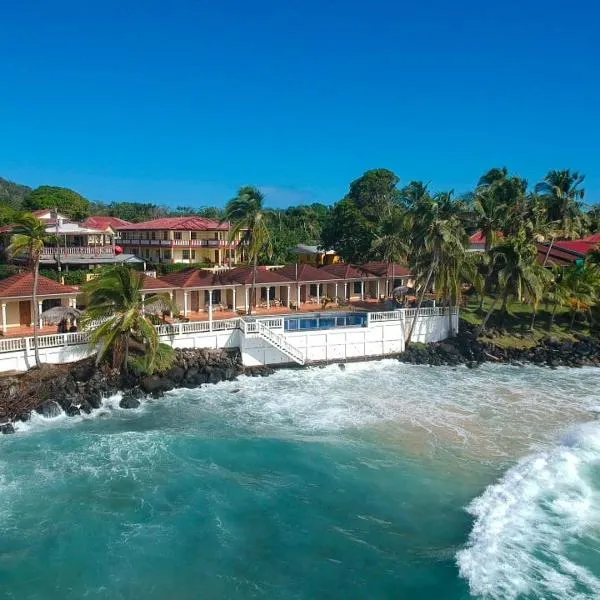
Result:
pixel 21 360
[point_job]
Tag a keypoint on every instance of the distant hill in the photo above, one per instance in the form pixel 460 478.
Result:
pixel 13 194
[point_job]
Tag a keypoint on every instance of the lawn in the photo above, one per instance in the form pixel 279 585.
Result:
pixel 515 330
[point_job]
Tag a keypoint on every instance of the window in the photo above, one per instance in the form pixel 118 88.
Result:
pixel 193 235
pixel 177 235
pixel 167 254
pixel 185 254
pixel 153 235
pixel 357 287
pixel 193 255
pixel 165 235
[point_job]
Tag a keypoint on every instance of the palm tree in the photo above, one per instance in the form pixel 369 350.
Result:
pixel 28 241
pixel 391 242
pixel 115 299
pixel 440 238
pixel 563 195
pixel 250 223
pixel 477 270
pixel 580 286
pixel 520 276
pixel 490 204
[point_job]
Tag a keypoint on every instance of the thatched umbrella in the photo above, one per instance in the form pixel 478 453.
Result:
pixel 58 314
pixel 163 305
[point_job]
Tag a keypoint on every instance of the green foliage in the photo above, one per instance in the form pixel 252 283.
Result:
pixel 115 298
pixel 71 277
pixel 135 212
pixel 66 201
pixel 8 271
pixel 8 215
pixel 163 361
pixel 13 195
pixel 166 268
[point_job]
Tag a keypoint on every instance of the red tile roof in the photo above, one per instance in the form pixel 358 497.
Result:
pixel 383 269
pixel 302 272
pixel 243 275
pixel 558 256
pixel 21 286
pixel 478 237
pixel 155 283
pixel 344 271
pixel 595 238
pixel 190 278
pixel 103 223
pixel 177 223
pixel 580 246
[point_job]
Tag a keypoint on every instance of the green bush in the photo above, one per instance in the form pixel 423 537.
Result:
pixel 8 270
pixel 76 277
pixel 165 269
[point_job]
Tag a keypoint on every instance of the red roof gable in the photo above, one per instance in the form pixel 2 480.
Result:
pixel 177 223
pixel 580 246
pixel 594 239
pixel 344 271
pixel 190 278
pixel 383 269
pixel 155 283
pixel 244 275
pixel 304 272
pixel 21 286
pixel 103 223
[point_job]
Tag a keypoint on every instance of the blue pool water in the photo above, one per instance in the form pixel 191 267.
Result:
pixel 324 321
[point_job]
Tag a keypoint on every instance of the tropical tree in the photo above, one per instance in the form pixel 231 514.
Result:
pixel 520 276
pixel 439 238
pixel 476 271
pixel 391 242
pixel 126 317
pixel 581 284
pixel 64 200
pixel 490 204
pixel 28 241
pixel 249 221
pixel 564 195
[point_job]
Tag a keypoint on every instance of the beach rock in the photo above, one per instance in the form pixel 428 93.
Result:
pixel 129 401
pixel 49 409
pixel 7 428
pixel 73 410
pixel 176 374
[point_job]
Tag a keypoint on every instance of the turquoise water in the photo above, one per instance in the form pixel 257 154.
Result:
pixel 378 481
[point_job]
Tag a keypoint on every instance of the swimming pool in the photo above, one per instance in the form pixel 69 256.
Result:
pixel 324 321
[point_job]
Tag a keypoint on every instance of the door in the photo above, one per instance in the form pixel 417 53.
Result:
pixel 195 296
pixel 25 313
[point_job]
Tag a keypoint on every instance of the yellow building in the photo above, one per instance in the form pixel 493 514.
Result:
pixel 313 255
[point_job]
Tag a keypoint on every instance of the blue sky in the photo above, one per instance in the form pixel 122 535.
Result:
pixel 183 102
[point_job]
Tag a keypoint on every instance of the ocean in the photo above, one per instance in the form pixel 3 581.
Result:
pixel 378 480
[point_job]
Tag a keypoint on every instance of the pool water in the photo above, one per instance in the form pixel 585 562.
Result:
pixel 324 321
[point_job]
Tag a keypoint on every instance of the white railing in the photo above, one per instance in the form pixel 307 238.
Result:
pixel 272 323
pixel 12 344
pixel 197 327
pixel 172 243
pixel 392 315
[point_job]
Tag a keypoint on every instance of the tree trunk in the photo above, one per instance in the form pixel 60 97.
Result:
pixel 548 251
pixel 486 319
pixel 422 295
pixel 253 287
pixel 126 357
pixel 36 311
pixel 572 320
pixel 533 316
pixel 551 324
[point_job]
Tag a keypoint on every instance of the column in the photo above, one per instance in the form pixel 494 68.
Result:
pixel 210 308
pixel 247 302
pixel 362 290
pixel 378 289
pixel 40 313
pixel 345 290
pixel 297 296
pixel 73 302
pixel 336 295
pixel 318 293
pixel 185 303
pixel 171 296
pixel 233 299
pixel 143 305
pixel 289 293
pixel 268 296
pixel 4 317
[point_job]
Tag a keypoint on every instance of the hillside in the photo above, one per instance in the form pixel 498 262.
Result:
pixel 13 194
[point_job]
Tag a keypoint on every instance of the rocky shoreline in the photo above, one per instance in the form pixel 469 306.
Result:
pixel 467 349
pixel 81 387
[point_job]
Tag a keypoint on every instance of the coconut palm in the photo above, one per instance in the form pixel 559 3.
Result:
pixel 440 239
pixel 250 223
pixel 563 195
pixel 115 300
pixel 520 276
pixel 391 241
pixel 28 241
pixel 476 270
pixel 581 284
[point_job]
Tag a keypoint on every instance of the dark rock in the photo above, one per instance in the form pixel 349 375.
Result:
pixel 7 428
pixel 176 374
pixel 73 410
pixel 151 384
pixel 84 371
pixel 129 401
pixel 341 366
pixel 49 409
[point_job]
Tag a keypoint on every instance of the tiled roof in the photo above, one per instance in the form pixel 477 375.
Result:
pixel 155 283
pixel 384 269
pixel 305 273
pixel 478 237
pixel 21 286
pixel 344 271
pixel 595 238
pixel 190 278
pixel 177 223
pixel 557 255
pixel 243 275
pixel 580 246
pixel 103 223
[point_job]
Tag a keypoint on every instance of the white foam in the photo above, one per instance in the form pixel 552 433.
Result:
pixel 521 545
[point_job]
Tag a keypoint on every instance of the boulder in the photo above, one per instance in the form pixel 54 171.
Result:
pixel 73 410
pixel 49 409
pixel 7 428
pixel 129 401
pixel 175 374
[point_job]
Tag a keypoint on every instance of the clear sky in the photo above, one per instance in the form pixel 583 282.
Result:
pixel 182 102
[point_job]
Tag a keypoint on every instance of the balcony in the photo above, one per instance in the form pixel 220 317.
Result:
pixel 179 243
